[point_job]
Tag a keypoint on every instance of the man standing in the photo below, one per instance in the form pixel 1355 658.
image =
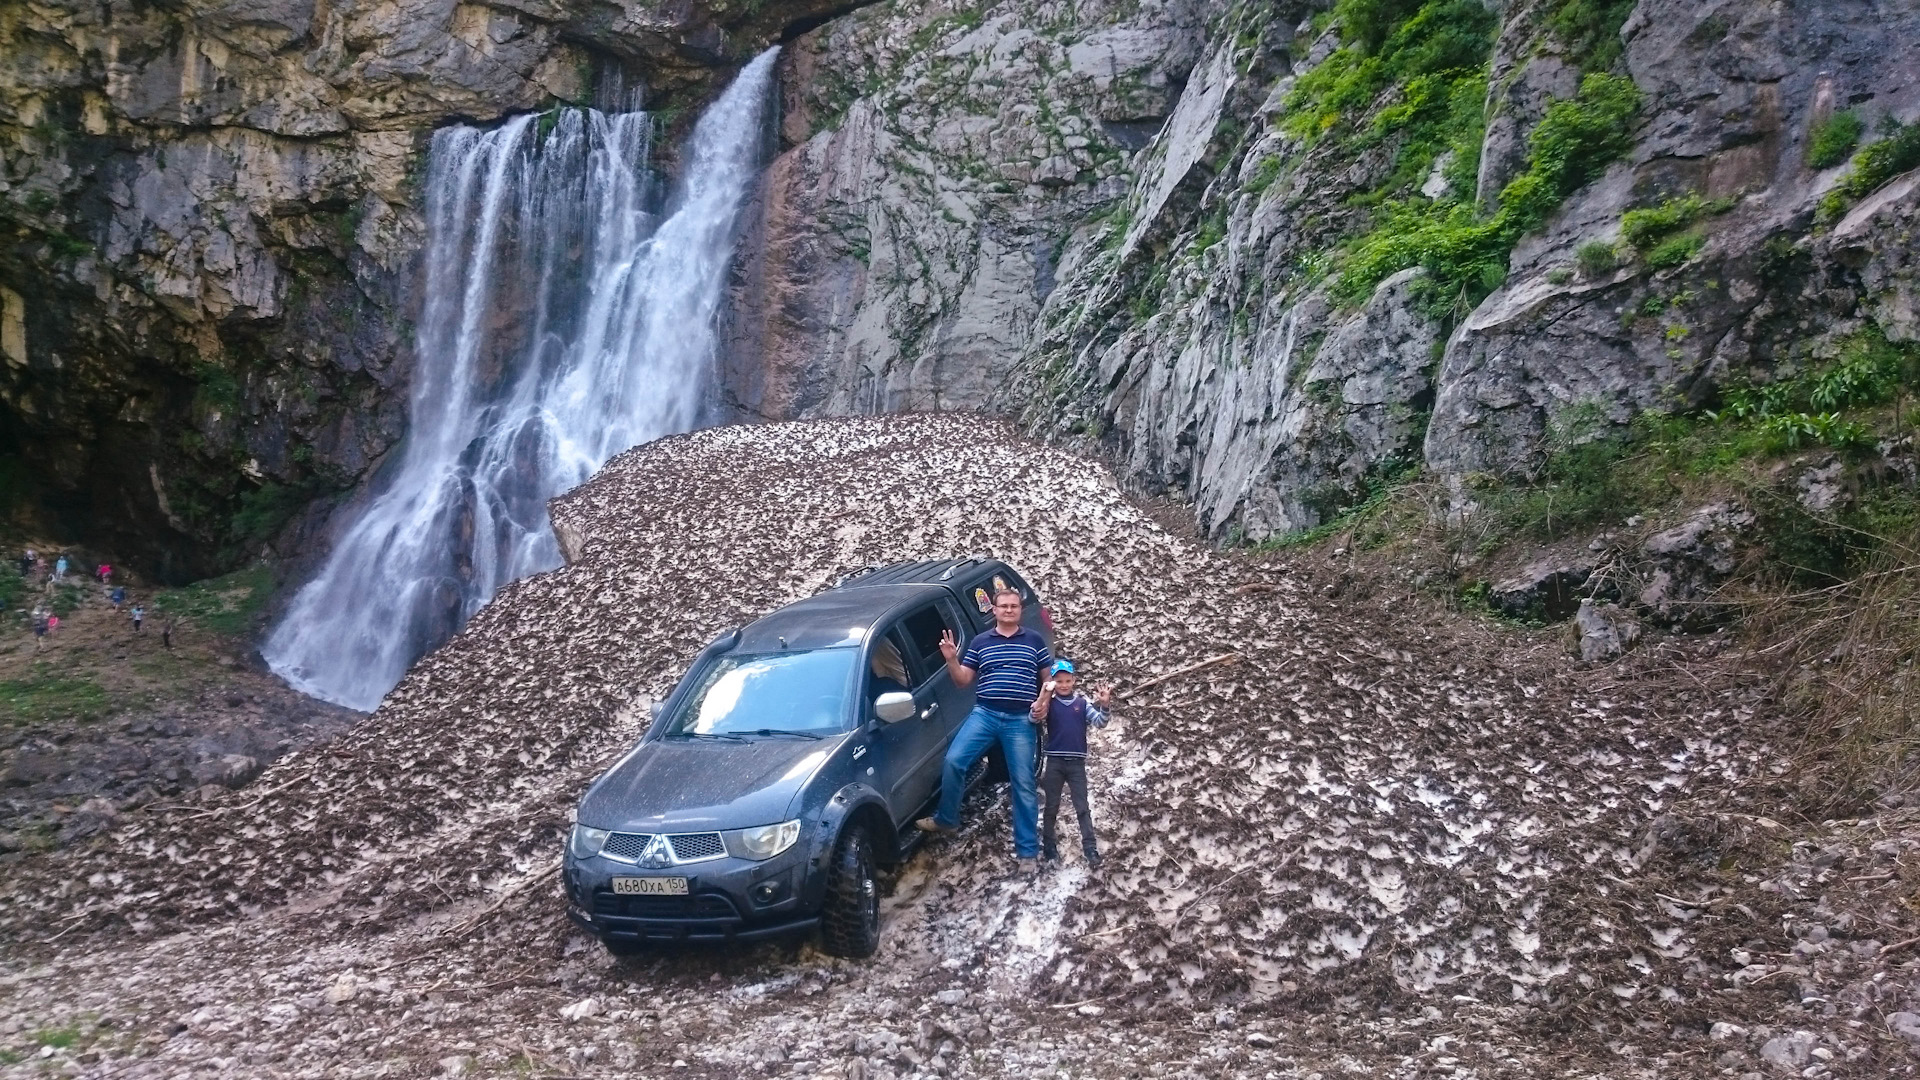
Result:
pixel 1006 662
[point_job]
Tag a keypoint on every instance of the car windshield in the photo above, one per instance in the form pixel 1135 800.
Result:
pixel 769 694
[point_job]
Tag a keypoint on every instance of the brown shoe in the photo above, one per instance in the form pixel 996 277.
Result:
pixel 927 824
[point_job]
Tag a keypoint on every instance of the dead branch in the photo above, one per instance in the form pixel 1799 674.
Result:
pixel 467 927
pixel 1177 672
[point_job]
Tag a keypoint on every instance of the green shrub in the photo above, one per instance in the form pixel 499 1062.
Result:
pixel 1676 250
pixel 1389 42
pixel 1571 146
pixel 1833 139
pixel 1876 163
pixel 1597 258
pixel 1657 232
pixel 1642 229
pixel 1591 30
pixel 1870 370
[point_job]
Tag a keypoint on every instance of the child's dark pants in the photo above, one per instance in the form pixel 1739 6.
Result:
pixel 1072 772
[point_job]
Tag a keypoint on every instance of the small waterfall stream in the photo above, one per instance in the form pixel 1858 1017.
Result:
pixel 563 323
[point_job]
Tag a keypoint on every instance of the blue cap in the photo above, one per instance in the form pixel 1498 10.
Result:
pixel 1063 665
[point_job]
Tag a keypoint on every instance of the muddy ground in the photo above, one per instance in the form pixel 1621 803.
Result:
pixel 1381 842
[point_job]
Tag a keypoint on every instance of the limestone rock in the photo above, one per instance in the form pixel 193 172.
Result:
pixel 1685 564
pixel 1549 590
pixel 1603 631
pixel 901 246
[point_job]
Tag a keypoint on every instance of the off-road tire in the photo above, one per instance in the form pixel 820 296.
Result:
pixel 850 917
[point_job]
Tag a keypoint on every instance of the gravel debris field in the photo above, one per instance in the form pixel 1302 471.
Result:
pixel 1372 844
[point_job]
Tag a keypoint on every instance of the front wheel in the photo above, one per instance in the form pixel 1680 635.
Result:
pixel 850 918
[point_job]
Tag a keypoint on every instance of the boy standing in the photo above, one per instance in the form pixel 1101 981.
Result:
pixel 1068 714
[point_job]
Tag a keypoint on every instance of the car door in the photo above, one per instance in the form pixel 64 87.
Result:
pixel 892 751
pixel 943 705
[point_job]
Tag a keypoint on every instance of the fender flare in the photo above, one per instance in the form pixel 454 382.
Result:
pixel 841 807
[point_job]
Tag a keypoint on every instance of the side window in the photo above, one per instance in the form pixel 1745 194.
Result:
pixel 888 666
pixel 923 629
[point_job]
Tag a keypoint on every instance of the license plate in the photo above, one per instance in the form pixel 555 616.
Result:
pixel 650 886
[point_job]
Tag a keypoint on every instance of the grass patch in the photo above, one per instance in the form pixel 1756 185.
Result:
pixel 1832 140
pixel 60 1038
pixel 224 605
pixel 67 598
pixel 13 587
pixel 1381 492
pixel 1664 235
pixel 1597 259
pixel 47 695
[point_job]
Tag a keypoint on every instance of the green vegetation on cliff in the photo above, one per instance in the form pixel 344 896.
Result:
pixel 1875 164
pixel 1414 74
pixel 1464 252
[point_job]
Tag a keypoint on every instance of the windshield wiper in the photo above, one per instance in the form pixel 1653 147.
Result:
pixel 795 734
pixel 707 735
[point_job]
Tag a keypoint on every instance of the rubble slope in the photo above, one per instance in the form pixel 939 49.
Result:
pixel 1370 846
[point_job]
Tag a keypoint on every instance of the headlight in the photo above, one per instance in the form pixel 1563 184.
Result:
pixel 766 841
pixel 586 843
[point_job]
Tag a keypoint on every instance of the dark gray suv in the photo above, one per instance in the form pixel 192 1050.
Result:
pixel 787 766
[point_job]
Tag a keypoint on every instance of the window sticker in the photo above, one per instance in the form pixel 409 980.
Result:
pixel 981 599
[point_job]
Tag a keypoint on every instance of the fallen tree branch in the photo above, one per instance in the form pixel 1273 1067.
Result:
pixel 467 927
pixel 1177 672
pixel 1889 950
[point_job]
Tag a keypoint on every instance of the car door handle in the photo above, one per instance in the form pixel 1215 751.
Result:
pixel 929 710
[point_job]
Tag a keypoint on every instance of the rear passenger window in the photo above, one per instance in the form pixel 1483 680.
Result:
pixel 978 595
pixel 923 629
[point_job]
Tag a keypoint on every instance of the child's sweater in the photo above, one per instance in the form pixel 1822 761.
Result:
pixel 1067 723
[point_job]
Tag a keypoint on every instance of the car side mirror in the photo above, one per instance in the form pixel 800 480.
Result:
pixel 894 707
pixel 654 710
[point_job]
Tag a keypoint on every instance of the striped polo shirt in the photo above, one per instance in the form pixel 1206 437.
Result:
pixel 1009 668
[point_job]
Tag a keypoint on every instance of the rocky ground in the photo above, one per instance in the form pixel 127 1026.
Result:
pixel 98 720
pixel 1379 842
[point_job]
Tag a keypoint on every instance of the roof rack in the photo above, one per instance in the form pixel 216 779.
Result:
pixel 862 572
pixel 947 574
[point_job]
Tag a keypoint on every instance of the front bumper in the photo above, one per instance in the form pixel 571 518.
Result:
pixel 727 899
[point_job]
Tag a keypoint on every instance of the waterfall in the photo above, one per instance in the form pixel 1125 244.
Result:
pixel 563 322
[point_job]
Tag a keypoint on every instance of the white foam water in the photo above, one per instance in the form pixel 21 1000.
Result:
pixel 563 322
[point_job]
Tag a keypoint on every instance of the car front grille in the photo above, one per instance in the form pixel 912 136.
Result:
pixel 686 847
pixel 689 847
pixel 697 906
pixel 626 845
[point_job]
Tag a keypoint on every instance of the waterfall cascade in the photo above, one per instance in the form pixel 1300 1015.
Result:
pixel 563 323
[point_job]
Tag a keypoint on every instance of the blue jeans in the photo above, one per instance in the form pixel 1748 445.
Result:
pixel 1015 733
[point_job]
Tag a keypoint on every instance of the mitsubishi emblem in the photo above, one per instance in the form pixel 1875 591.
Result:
pixel 658 853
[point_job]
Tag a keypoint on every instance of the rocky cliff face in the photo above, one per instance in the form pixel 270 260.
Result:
pixel 937 158
pixel 1265 257
pixel 208 225
pixel 1256 310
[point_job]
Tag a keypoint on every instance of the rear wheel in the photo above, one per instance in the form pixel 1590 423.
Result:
pixel 850 918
